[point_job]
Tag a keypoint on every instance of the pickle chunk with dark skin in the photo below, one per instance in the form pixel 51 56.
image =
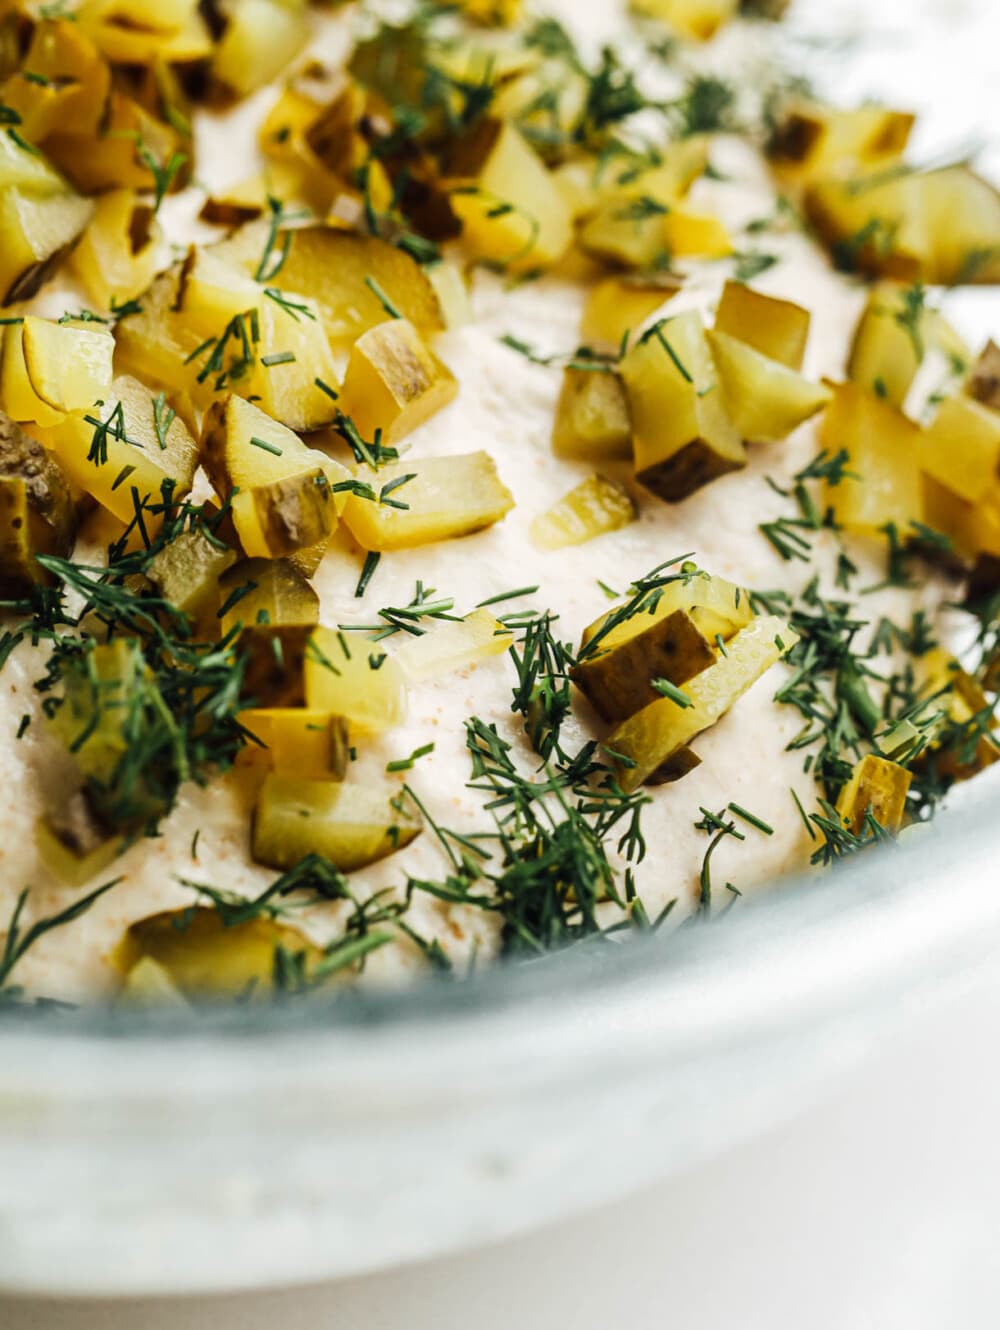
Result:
pixel 258 592
pixel 619 682
pixel 37 513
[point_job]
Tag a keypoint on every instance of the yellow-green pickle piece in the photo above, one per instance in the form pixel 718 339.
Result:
pixel 351 825
pixel 592 421
pixel 258 592
pixel 877 787
pixel 595 506
pixel 187 571
pixel 37 514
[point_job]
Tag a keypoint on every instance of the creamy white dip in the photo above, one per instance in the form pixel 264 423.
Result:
pixel 505 405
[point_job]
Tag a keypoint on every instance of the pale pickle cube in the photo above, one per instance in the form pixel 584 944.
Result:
pixel 592 421
pixel 687 235
pixel 593 508
pixel 877 787
pixel 351 825
pixel 682 434
pixel 260 39
pixel 68 366
pixel 961 448
pixel 266 591
pixel 617 307
pixel 37 230
pixel 446 498
pixel 698 19
pixel 394 382
pixel 766 400
pixel 883 450
pixel 511 209
pixel 654 735
pixel 18 397
pixel 345 675
pixel 446 647
pixel 776 328
pixel 295 741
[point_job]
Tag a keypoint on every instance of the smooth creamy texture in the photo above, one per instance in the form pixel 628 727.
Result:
pixel 505 405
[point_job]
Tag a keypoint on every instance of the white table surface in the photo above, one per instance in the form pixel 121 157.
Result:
pixel 878 1208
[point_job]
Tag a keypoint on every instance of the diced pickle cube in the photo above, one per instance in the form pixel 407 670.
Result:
pixel 511 208
pixel 186 573
pixel 776 328
pixel 765 399
pixel 593 508
pixel 877 788
pixel 260 38
pixel 619 681
pixel 687 235
pixel 445 498
pixel 20 401
pixel 654 735
pixel 294 741
pixel 286 515
pixel 128 447
pixel 116 257
pixel 63 81
pixel 206 959
pixel 698 19
pixel 813 141
pixel 69 366
pixel 37 230
pixel 592 421
pixel 619 306
pixel 37 514
pixel 394 382
pixel 355 679
pixel 894 334
pixel 332 266
pixel 961 448
pixel 257 592
pixel 719 608
pixel 73 843
pixel 984 382
pixel 682 435
pixel 883 449
pixel 939 227
pixel 446 646
pixel 350 825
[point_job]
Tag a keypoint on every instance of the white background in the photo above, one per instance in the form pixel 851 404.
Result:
pixel 878 1208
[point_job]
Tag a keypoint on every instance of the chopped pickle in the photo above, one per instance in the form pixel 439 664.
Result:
pixel 186 573
pixel 18 397
pixel 698 19
pixel 963 700
pixel 355 679
pixel 109 159
pixel 719 608
pixel 619 306
pixel 494 13
pixel 148 984
pixel 37 230
pixel 341 272
pixel 813 141
pixel 939 227
pixel 72 842
pixel 687 235
pixel 266 591
pixel 285 500
pixel 618 681
pixel 682 435
pixel 116 256
pixel 511 210
pixel 117 452
pixel 63 81
pixel 260 38
pixel 877 788
pixel 961 448
pixel 592 421
pixel 592 508
pixel 274 672
pixel 394 381
pixel 452 292
pixel 654 735
pixel 984 382
pixel 294 741
pixel 206 959
pixel 882 483
pixel 765 399
pixel 446 497
pixel 123 42
pixel 448 646
pixel 776 328
pixel 350 825
pixel 37 514
pixel 894 334
pixel 68 365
